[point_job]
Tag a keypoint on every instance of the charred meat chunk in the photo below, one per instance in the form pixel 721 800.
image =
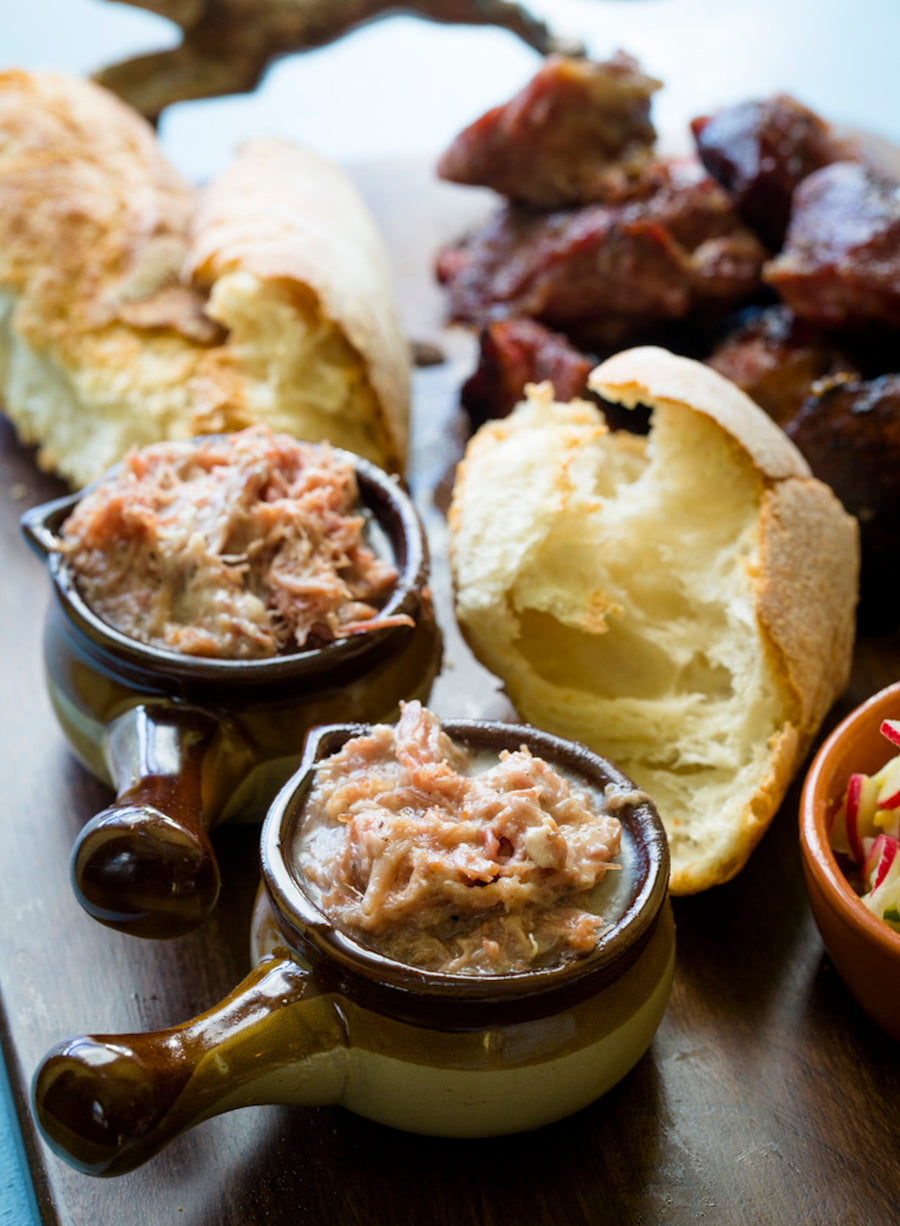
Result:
pixel 514 352
pixel 605 274
pixel 578 132
pixel 849 431
pixel 840 267
pixel 776 358
pixel 760 151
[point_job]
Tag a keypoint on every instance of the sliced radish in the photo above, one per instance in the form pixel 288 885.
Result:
pixel 884 899
pixel 891 729
pixel 879 860
pixel 862 797
pixel 889 784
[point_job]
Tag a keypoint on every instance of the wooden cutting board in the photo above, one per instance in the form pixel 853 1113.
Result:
pixel 767 1097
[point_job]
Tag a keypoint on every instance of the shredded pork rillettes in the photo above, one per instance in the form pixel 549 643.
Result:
pixel 239 546
pixel 448 863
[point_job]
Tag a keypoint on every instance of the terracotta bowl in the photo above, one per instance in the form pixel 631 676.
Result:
pixel 187 742
pixel 324 1019
pixel 864 949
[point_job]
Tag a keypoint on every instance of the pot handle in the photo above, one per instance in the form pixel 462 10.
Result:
pixel 146 865
pixel 39 524
pixel 107 1103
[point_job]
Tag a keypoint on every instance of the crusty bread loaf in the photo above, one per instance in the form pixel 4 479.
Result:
pixel 685 603
pixel 135 308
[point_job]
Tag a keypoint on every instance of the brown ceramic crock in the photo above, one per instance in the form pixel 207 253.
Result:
pixel 323 1019
pixel 865 950
pixel 188 741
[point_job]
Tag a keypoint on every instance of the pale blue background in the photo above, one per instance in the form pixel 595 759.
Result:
pixel 403 88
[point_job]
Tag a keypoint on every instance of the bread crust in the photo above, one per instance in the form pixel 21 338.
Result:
pixel 650 375
pixel 108 269
pixel 808 550
pixel 805 594
pixel 284 214
pixel 796 566
pixel 91 214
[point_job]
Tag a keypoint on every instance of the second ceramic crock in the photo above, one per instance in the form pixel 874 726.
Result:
pixel 322 1019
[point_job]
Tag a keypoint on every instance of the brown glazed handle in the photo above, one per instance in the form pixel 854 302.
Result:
pixel 107 1103
pixel 146 865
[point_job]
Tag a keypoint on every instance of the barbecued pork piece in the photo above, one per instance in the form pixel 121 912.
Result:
pixel 840 267
pixel 760 151
pixel 776 357
pixel 849 431
pixel 514 352
pixel 578 132
pixel 605 274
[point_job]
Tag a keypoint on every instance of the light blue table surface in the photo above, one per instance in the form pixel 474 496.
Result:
pixel 838 56
pixel 17 1203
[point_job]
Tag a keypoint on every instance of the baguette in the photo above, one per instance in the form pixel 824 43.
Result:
pixel 136 308
pixel 683 603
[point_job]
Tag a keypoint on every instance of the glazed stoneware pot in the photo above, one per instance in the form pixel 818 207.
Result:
pixel 187 742
pixel 322 1019
pixel 865 950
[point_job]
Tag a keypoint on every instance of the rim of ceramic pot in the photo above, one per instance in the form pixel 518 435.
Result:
pixel 822 792
pixel 418 995
pixel 381 496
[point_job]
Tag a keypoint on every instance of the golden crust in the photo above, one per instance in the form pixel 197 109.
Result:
pixel 808 569
pixel 705 676
pixel 92 218
pixel 110 337
pixel 748 825
pixel 806 538
pixel 806 582
pixel 650 375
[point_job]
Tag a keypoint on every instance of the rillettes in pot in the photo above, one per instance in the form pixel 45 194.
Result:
pixel 188 741
pixel 324 1019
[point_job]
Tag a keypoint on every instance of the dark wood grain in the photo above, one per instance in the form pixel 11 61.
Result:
pixel 767 1097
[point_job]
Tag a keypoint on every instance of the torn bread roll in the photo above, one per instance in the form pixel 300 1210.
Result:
pixel 683 603
pixel 135 308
